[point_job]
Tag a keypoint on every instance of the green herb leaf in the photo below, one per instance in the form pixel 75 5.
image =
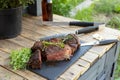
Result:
pixel 19 58
pixel 60 44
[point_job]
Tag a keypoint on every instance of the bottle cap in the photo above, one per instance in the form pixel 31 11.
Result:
pixel 49 1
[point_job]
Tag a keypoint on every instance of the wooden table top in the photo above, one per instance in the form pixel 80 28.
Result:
pixel 31 32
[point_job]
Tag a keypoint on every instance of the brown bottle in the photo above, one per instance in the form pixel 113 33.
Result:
pixel 47 10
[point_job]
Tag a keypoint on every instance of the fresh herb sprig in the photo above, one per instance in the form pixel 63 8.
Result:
pixel 19 58
pixel 68 37
pixel 60 44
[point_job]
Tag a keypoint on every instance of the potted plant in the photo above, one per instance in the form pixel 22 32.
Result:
pixel 11 17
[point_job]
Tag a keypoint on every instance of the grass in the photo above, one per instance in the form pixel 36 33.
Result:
pixel 85 14
pixel 63 7
pixel 117 8
pixel 117 71
pixel 115 22
pixel 104 6
pixel 107 6
pixel 75 2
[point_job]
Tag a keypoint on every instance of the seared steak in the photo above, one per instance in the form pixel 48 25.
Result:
pixel 56 53
pixel 37 45
pixel 73 41
pixel 35 60
pixel 56 40
pixel 54 49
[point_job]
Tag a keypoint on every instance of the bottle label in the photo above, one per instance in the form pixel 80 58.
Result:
pixel 49 1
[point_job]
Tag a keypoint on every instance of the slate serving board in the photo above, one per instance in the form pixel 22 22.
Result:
pixel 53 72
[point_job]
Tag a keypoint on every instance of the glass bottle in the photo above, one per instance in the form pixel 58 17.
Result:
pixel 47 14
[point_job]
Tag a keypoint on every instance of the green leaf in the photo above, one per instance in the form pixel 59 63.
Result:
pixel 19 58
pixel 4 4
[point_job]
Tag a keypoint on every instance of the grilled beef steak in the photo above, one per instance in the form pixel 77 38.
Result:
pixel 35 60
pixel 56 53
pixel 54 49
pixel 73 41
pixel 37 45
pixel 56 40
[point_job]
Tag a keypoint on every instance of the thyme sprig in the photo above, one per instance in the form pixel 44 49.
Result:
pixel 67 38
pixel 47 43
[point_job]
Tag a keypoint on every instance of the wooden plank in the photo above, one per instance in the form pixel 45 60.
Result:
pixel 90 57
pixel 38 20
pixel 4 62
pixel 30 23
pixel 44 30
pixel 4 55
pixel 117 51
pixel 92 76
pixel 7 46
pixel 35 18
pixel 60 30
pixel 83 63
pixel 4 58
pixel 100 50
pixel 8 75
pixel 103 77
pixel 22 41
pixel 60 78
pixel 90 73
pixel 110 56
pixel 55 17
pixel 73 72
pixel 26 73
pixel 114 33
pixel 101 66
pixel 37 29
pixel 31 35
pixel 87 37
pixel 61 18
pixel 50 28
pixel 73 28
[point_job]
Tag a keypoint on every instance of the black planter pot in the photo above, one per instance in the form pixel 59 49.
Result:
pixel 10 22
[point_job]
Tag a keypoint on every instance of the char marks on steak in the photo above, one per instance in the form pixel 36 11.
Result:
pixel 35 60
